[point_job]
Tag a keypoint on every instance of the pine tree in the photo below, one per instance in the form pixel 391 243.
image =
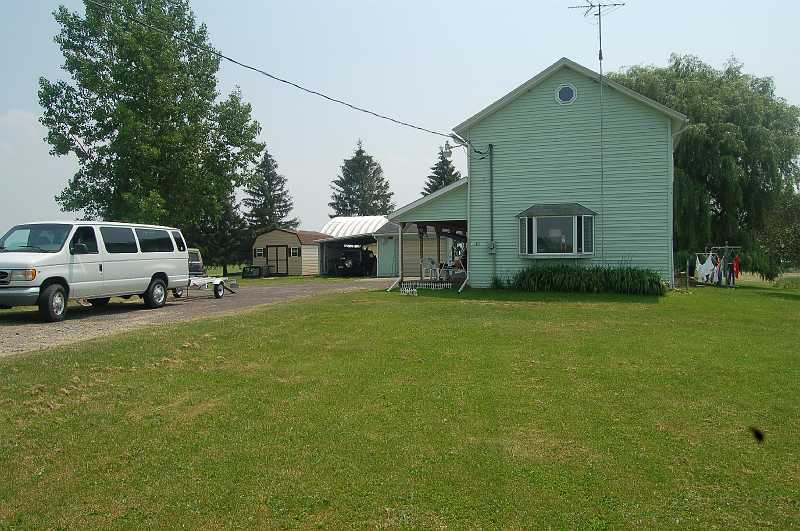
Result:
pixel 226 237
pixel 268 202
pixel 361 189
pixel 442 174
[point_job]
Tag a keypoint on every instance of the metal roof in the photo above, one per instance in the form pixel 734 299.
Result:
pixel 353 226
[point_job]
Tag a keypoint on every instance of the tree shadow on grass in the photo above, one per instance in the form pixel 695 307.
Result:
pixel 74 313
pixel 523 296
pixel 785 295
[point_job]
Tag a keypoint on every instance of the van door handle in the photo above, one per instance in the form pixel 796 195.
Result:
pixel 101 267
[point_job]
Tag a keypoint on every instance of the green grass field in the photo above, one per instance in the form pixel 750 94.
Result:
pixel 380 410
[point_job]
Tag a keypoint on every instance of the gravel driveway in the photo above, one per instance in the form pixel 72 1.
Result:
pixel 22 330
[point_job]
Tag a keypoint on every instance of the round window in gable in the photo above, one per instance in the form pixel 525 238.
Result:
pixel 566 94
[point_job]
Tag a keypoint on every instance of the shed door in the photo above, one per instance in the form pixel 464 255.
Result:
pixel 277 257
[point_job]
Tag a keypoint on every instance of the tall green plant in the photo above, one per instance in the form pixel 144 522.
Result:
pixel 591 279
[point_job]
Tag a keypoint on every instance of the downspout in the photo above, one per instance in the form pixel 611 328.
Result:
pixel 492 248
pixel 469 198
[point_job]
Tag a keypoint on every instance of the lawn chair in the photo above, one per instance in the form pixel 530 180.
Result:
pixel 430 269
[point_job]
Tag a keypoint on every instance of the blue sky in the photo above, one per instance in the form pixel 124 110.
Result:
pixel 432 63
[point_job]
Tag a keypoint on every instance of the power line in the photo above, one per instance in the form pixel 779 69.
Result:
pixel 262 72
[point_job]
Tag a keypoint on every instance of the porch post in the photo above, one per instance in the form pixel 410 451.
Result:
pixel 438 245
pixel 421 251
pixel 400 250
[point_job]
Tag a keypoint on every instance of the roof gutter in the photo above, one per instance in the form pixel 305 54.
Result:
pixel 677 134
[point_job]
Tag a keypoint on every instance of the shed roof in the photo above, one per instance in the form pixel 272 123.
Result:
pixel 677 118
pixel 353 226
pixel 310 236
pixel 305 236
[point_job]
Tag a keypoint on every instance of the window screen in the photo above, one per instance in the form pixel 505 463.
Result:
pixel 588 234
pixel 179 240
pixel 119 240
pixel 154 241
pixel 529 235
pixel 554 235
pixel 295 251
pixel 85 235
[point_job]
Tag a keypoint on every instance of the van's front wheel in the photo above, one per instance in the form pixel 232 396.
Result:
pixel 53 303
pixel 156 294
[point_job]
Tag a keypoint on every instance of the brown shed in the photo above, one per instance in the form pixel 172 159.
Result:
pixel 287 252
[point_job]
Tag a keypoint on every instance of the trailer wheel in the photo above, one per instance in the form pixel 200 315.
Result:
pixel 219 290
pixel 177 293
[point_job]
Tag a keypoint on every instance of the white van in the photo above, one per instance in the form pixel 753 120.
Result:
pixel 46 264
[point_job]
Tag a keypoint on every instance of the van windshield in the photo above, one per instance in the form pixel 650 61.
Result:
pixel 35 238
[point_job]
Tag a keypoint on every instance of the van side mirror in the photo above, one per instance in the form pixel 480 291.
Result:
pixel 79 248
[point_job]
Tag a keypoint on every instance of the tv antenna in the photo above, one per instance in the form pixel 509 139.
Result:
pixel 597 11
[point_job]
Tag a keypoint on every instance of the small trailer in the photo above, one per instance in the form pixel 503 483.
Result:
pixel 219 285
pixel 199 281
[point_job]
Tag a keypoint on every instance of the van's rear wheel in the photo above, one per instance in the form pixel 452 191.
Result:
pixel 156 294
pixel 53 303
pixel 102 301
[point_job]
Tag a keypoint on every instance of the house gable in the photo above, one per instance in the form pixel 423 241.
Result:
pixel 545 152
pixel 677 119
pixel 449 203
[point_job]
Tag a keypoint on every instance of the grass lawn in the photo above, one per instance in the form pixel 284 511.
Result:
pixel 373 409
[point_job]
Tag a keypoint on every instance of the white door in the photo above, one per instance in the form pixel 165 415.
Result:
pixel 85 264
pixel 123 272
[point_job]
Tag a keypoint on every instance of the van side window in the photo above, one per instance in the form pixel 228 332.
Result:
pixel 85 235
pixel 154 241
pixel 179 240
pixel 119 240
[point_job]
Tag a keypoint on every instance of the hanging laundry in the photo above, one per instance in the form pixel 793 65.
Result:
pixel 737 262
pixel 698 269
pixel 707 270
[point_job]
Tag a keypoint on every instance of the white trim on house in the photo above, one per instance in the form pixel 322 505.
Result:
pixel 679 120
pixel 533 251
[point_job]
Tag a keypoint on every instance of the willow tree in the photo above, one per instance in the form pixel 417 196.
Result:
pixel 738 155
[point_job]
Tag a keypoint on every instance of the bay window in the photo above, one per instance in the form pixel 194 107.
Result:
pixel 556 230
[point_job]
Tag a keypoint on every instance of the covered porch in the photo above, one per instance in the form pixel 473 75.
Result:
pixel 440 217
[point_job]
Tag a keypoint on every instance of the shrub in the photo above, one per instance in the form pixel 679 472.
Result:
pixel 591 279
pixel 762 264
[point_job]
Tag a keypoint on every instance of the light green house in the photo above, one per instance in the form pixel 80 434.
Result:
pixel 537 187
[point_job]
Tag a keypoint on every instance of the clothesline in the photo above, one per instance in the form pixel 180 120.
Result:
pixel 715 268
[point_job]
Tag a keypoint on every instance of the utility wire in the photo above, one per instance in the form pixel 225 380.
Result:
pixel 262 72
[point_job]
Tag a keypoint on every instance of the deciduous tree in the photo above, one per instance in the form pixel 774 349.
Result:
pixel 140 111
